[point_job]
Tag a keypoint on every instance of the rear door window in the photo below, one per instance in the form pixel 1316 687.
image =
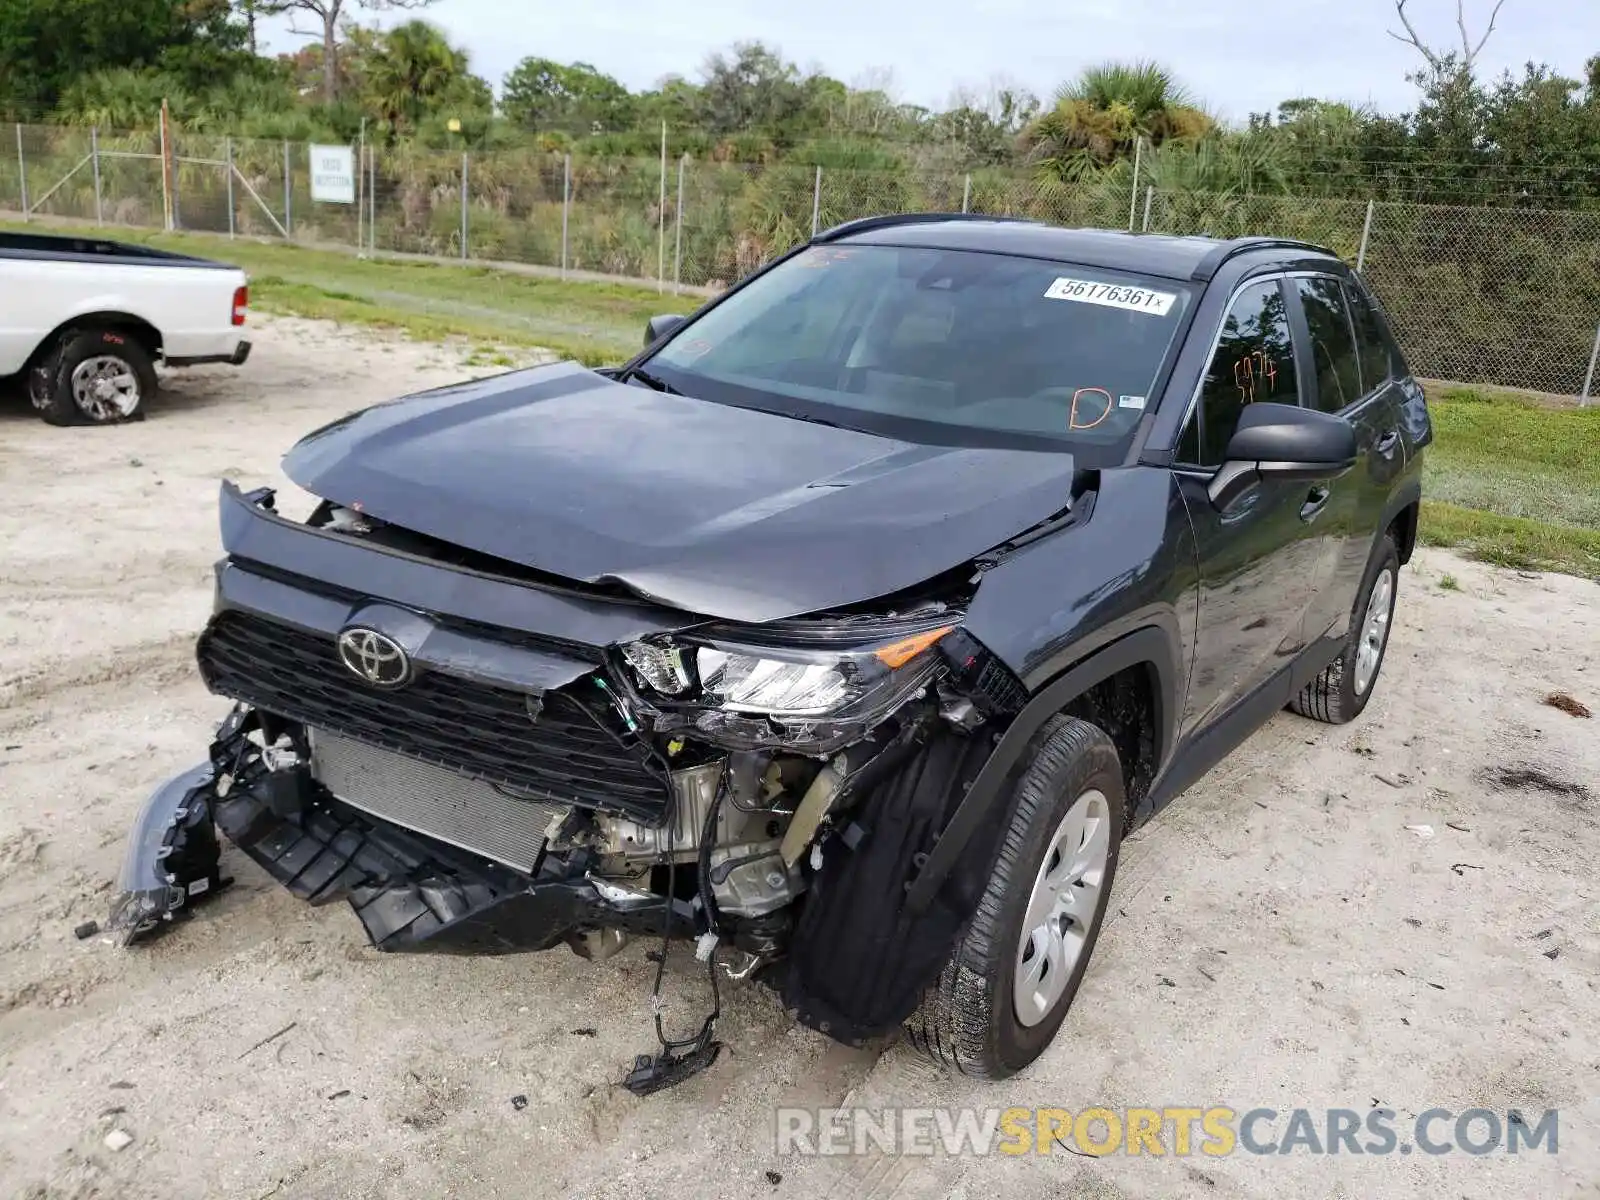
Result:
pixel 1372 342
pixel 1333 344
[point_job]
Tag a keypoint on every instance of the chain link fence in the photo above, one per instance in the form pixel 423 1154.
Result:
pixel 1496 295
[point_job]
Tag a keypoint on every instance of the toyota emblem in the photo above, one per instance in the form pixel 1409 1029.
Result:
pixel 375 657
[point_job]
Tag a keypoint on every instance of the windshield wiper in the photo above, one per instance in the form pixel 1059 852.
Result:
pixel 653 381
pixel 809 419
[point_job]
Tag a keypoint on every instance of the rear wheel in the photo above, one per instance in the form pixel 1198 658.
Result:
pixel 1012 977
pixel 1345 685
pixel 94 377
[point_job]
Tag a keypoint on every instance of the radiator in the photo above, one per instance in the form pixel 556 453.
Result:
pixel 434 801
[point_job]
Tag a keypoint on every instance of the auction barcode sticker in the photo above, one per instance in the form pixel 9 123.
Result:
pixel 1112 295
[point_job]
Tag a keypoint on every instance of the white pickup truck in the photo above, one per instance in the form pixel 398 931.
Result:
pixel 86 320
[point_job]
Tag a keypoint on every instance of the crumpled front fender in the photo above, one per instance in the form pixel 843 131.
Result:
pixel 172 855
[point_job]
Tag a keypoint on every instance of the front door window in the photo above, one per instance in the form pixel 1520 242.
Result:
pixel 1254 362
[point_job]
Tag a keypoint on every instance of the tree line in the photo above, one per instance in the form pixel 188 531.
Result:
pixel 1530 139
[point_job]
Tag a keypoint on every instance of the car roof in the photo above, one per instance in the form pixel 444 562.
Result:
pixel 1184 258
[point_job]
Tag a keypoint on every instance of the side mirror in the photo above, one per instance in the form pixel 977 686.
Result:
pixel 657 328
pixel 1282 441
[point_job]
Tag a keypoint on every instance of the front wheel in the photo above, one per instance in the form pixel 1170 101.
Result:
pixel 1012 977
pixel 95 377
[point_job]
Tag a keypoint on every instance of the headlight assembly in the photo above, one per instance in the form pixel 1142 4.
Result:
pixel 808 697
pixel 745 682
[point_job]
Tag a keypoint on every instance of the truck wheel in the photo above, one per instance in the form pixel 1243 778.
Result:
pixel 94 377
pixel 1345 685
pixel 1013 975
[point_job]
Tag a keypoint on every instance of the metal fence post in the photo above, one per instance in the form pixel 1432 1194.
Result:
pixel 173 156
pixel 372 198
pixel 361 198
pixel 966 195
pixel 1149 199
pixel 566 208
pixel 22 172
pixel 816 202
pixel 661 217
pixel 227 154
pixel 1133 200
pixel 677 217
pixel 361 187
pixel 1588 380
pixel 288 193
pixel 1366 234
pixel 94 155
pixel 463 204
pixel 166 178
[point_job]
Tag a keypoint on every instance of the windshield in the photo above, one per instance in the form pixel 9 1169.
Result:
pixel 936 344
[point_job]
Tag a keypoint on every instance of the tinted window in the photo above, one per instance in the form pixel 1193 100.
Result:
pixel 1332 346
pixel 1254 362
pixel 917 341
pixel 1372 343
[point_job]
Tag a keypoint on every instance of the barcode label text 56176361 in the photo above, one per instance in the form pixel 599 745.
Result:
pixel 1112 295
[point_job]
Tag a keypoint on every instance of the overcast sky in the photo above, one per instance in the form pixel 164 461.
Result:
pixel 1237 56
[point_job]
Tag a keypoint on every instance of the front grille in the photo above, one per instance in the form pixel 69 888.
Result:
pixel 484 732
pixel 469 813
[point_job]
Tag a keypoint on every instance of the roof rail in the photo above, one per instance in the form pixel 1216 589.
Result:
pixel 863 224
pixel 1212 262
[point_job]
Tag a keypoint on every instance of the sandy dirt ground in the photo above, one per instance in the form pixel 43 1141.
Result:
pixel 1279 937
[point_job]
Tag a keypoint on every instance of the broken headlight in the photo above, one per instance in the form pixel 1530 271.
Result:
pixel 663 668
pixel 807 696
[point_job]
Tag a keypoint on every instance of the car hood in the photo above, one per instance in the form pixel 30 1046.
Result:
pixel 724 511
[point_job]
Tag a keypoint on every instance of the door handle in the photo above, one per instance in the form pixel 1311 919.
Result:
pixel 1316 500
pixel 1387 443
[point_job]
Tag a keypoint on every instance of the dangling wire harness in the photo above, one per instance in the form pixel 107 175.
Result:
pixel 679 1058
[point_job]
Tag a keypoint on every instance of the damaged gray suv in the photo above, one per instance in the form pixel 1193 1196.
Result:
pixel 848 629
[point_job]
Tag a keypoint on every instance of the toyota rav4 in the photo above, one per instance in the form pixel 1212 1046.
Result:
pixel 848 629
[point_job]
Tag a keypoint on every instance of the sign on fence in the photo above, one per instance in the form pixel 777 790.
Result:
pixel 333 174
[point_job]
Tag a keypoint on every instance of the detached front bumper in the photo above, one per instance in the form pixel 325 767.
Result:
pixel 172 855
pixel 411 893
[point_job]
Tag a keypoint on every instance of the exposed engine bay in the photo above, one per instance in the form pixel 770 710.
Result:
pixel 473 789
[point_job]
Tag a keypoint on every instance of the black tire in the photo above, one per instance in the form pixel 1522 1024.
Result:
pixel 50 383
pixel 968 1020
pixel 1333 696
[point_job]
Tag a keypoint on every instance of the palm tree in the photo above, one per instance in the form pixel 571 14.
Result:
pixel 1225 164
pixel 121 98
pixel 1100 116
pixel 408 70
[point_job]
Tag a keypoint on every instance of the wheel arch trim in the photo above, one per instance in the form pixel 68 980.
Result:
pixel 1408 497
pixel 1149 646
pixel 146 334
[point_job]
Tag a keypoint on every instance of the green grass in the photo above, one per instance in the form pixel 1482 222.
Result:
pixel 1449 583
pixel 1514 482
pixel 1511 541
pixel 1499 453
